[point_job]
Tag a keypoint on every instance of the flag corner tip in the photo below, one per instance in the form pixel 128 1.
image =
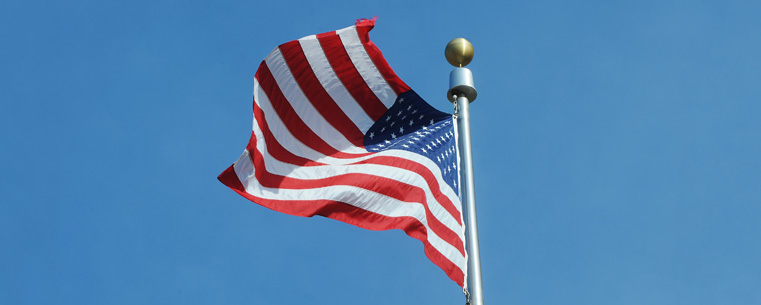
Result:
pixel 367 22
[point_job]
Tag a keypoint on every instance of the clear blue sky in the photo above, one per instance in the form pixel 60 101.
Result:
pixel 617 146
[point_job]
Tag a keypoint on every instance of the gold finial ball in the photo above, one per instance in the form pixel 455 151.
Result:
pixel 459 52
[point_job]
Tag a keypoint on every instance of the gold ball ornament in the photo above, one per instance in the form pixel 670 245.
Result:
pixel 459 52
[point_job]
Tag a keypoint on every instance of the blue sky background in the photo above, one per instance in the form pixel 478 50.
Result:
pixel 617 153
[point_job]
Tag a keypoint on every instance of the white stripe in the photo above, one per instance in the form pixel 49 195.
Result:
pixel 358 197
pixel 303 108
pixel 277 167
pixel 332 84
pixel 365 66
pixel 281 131
pixel 276 126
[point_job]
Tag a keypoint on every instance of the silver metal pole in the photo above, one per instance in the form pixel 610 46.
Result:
pixel 468 194
pixel 459 52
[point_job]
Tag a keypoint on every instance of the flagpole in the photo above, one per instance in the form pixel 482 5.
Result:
pixel 459 53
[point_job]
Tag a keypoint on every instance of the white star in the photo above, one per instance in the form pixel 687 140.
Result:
pixel 447 134
pixel 392 123
pixel 401 129
pixel 411 122
pixel 434 144
pixel 383 129
pixel 381 145
pixel 406 146
pixel 401 100
pixel 413 111
pixel 425 128
pixel 429 147
pixel 438 159
pixel 409 107
pixel 400 113
pixel 437 140
pixel 404 117
pixel 410 142
pixel 423 149
pixel 393 136
pixel 431 122
pixel 388 142
pixel 420 117
pixel 388 118
pixel 372 134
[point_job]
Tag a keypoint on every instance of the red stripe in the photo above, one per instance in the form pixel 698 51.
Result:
pixel 352 215
pixel 277 151
pixel 381 185
pixel 273 146
pixel 341 62
pixel 302 72
pixel 424 172
pixel 291 119
pixel 396 83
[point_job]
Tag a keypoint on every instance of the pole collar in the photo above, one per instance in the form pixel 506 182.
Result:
pixel 461 84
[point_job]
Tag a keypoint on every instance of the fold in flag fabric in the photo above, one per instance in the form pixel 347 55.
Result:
pixel 337 133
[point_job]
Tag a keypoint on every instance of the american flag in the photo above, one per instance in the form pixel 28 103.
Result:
pixel 336 133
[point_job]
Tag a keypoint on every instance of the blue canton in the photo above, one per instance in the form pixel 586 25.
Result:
pixel 413 125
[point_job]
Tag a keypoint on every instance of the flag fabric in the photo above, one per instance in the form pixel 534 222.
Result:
pixel 336 133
